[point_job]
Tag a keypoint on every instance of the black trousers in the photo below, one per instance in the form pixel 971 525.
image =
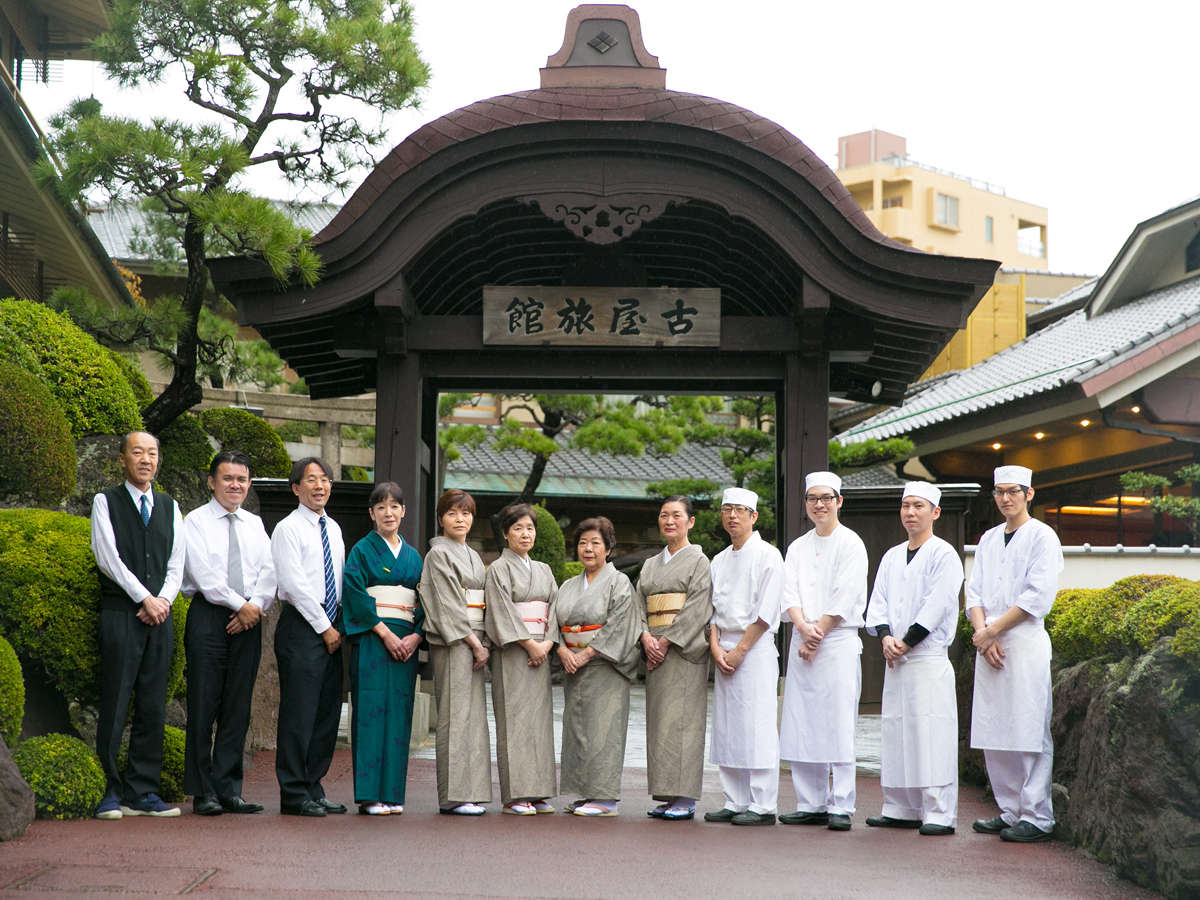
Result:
pixel 221 669
pixel 135 660
pixel 310 708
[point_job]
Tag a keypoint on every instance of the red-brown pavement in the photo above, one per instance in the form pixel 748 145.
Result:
pixel 424 854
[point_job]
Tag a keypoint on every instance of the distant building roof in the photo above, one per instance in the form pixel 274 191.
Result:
pixel 883 475
pixel 1073 349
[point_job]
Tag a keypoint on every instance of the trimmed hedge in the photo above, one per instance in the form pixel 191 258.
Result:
pixel 134 377
pixel 237 429
pixel 1172 610
pixel 1086 623
pixel 50 601
pixel 37 453
pixel 64 773
pixel 12 694
pixel 13 350
pixel 549 546
pixel 80 373
pixel 183 463
pixel 170 787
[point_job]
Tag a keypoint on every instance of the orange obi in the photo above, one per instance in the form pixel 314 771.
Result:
pixel 535 614
pixel 393 601
pixel 571 635
pixel 661 609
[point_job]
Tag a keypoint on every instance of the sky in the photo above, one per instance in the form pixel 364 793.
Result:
pixel 1080 107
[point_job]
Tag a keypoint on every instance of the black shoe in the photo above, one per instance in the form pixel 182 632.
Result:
pixel 839 822
pixel 303 808
pixel 989 826
pixel 238 805
pixel 1026 833
pixel 931 830
pixel 334 809
pixel 206 805
pixel 724 814
pixel 804 818
pixel 889 822
pixel 753 818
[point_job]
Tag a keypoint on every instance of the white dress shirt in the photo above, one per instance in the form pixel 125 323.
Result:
pixel 206 530
pixel 108 558
pixel 300 564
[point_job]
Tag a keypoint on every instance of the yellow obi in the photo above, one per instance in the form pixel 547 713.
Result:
pixel 475 608
pixel 394 601
pixel 661 609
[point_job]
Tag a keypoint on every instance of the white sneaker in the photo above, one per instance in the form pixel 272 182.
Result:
pixel 375 809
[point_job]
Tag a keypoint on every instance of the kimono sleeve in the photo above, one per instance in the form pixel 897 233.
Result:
pixel 616 640
pixel 501 621
pixel 443 598
pixel 358 607
pixel 687 632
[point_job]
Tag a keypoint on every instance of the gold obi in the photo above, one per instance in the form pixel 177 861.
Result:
pixel 661 609
pixel 393 601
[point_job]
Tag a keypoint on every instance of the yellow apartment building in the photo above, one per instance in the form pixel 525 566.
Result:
pixel 939 211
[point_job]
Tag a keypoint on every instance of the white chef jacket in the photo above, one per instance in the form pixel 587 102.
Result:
pixel 747 585
pixel 827 576
pixel 924 591
pixel 1010 706
pixel 206 530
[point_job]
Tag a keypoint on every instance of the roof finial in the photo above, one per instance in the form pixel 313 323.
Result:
pixel 603 47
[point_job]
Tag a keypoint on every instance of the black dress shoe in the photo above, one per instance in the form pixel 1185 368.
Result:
pixel 989 826
pixel 839 822
pixel 303 808
pixel 804 818
pixel 931 830
pixel 889 822
pixel 753 818
pixel 238 805
pixel 206 806
pixel 334 809
pixel 1026 833
pixel 720 815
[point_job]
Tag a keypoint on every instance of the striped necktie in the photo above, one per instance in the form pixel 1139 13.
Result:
pixel 331 601
pixel 145 511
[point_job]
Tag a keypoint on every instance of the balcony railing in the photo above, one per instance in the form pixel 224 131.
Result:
pixel 902 161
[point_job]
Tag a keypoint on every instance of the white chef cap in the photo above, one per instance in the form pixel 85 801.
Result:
pixel 823 479
pixel 924 490
pixel 740 497
pixel 1013 475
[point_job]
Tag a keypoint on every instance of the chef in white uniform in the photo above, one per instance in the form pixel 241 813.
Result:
pixel 914 608
pixel 1012 587
pixel 825 597
pixel 747 590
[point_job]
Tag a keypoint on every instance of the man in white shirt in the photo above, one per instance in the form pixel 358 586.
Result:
pixel 825 597
pixel 914 608
pixel 747 589
pixel 309 555
pixel 137 539
pixel 230 577
pixel 1012 588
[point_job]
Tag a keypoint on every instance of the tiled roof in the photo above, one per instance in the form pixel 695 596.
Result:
pixel 1063 352
pixel 883 475
pixel 119 223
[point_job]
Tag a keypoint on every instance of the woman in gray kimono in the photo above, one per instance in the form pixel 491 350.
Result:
pixel 519 593
pixel 674 605
pixel 596 625
pixel 451 592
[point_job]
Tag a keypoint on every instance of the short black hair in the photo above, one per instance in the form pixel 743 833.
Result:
pixel 386 490
pixel 514 512
pixel 233 457
pixel 601 524
pixel 298 467
pixel 683 500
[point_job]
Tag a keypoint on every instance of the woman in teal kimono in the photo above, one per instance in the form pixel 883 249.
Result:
pixel 382 619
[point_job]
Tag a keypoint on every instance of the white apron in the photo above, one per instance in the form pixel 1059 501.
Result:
pixel 820 700
pixel 1010 707
pixel 919 728
pixel 744 708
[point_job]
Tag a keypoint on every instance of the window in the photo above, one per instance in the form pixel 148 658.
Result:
pixel 892 202
pixel 945 210
pixel 987 228
pixel 1192 255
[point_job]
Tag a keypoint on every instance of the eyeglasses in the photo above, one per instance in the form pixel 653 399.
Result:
pixel 730 509
pixel 1008 492
pixel 822 500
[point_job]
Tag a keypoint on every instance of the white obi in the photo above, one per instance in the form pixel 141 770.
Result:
pixel 535 614
pixel 475 608
pixel 394 601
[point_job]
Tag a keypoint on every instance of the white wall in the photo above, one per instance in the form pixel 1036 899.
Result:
pixel 1098 567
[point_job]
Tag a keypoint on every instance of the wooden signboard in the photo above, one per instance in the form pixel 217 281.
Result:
pixel 601 316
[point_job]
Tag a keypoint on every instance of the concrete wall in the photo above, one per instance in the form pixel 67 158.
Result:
pixel 1098 567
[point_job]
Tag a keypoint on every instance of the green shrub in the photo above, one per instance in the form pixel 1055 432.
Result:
pixel 50 601
pixel 132 373
pixel 12 694
pixel 549 546
pixel 13 350
pixel 294 432
pixel 176 684
pixel 64 773
pixel 37 454
pixel 170 787
pixel 571 568
pixel 79 372
pixel 237 429
pixel 1088 623
pixel 185 452
pixel 355 473
pixel 1173 609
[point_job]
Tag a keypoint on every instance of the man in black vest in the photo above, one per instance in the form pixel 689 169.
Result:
pixel 137 539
